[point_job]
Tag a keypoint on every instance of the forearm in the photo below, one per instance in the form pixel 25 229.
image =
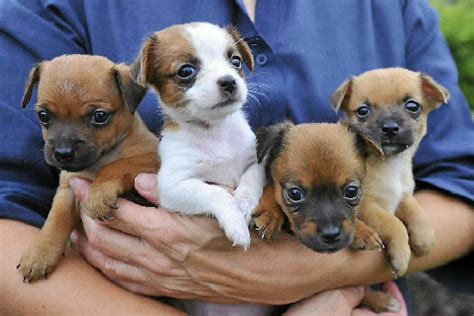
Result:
pixel 299 272
pixel 74 288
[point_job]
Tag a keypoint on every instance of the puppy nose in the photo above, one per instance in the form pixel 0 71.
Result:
pixel 64 154
pixel 390 128
pixel 227 83
pixel 330 234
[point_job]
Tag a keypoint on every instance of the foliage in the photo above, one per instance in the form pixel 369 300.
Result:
pixel 457 24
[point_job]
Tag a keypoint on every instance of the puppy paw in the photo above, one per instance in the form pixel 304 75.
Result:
pixel 380 302
pixel 268 221
pixel 39 261
pixel 235 228
pixel 101 201
pixel 365 238
pixel 399 258
pixel 246 206
pixel 422 238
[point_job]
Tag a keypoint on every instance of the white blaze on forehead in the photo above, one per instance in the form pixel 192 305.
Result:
pixel 211 42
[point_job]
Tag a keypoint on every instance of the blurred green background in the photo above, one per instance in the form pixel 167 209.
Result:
pixel 457 24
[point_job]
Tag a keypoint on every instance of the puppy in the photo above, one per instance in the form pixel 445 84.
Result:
pixel 316 180
pixel 197 71
pixel 391 106
pixel 86 108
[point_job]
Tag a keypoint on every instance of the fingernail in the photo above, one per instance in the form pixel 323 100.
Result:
pixel 145 181
pixel 74 237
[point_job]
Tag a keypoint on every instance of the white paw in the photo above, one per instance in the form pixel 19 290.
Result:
pixel 237 231
pixel 246 206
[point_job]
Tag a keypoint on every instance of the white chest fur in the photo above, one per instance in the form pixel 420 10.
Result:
pixel 390 180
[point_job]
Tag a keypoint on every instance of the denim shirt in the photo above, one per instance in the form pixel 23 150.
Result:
pixel 304 49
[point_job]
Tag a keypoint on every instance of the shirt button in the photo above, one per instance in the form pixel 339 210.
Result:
pixel 261 59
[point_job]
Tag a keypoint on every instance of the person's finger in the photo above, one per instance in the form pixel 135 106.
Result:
pixel 353 295
pixel 113 269
pixel 80 187
pixel 146 186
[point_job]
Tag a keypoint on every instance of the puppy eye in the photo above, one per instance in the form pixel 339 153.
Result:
pixel 100 117
pixel 412 106
pixel 351 192
pixel 236 62
pixel 363 110
pixel 43 116
pixel 295 195
pixel 186 72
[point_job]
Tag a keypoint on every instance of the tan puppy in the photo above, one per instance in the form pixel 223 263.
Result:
pixel 86 107
pixel 316 180
pixel 391 107
pixel 314 184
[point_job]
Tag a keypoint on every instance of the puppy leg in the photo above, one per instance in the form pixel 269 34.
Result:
pixel 419 229
pixel 268 216
pixel 40 259
pixel 193 196
pixel 249 190
pixel 391 230
pixel 380 301
pixel 365 238
pixel 115 179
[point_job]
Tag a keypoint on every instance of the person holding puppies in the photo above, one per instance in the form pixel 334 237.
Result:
pixel 302 55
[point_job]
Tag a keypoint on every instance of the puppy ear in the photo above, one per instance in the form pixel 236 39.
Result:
pixel 269 142
pixel 434 91
pixel 33 79
pixel 364 142
pixel 340 98
pixel 132 93
pixel 142 68
pixel 242 46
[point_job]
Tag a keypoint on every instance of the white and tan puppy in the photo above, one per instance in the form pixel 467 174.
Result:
pixel 196 69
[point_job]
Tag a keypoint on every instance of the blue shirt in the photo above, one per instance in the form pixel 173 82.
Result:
pixel 303 51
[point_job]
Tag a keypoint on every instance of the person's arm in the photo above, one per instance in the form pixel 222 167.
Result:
pixel 75 288
pixel 167 254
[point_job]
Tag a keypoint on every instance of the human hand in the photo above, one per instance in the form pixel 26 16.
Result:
pixel 144 249
pixel 342 302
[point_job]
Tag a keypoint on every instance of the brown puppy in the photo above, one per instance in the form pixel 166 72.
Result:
pixel 86 107
pixel 391 106
pixel 316 174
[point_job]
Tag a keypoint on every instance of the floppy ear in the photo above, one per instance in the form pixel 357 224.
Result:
pixel 33 78
pixel 341 96
pixel 434 91
pixel 364 142
pixel 242 46
pixel 269 142
pixel 142 68
pixel 132 93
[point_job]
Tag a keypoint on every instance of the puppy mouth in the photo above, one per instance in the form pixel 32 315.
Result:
pixel 390 147
pixel 223 104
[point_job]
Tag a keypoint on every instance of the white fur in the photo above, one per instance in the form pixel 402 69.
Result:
pixel 194 157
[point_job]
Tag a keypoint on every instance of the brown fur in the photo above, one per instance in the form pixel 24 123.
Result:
pixel 69 87
pixel 389 181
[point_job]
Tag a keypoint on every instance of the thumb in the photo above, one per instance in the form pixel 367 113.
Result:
pixel 146 186
pixel 80 188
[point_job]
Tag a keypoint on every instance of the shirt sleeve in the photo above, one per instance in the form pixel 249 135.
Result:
pixel 30 31
pixel 445 159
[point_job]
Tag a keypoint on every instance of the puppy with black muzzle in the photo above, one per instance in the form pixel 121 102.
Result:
pixel 86 107
pixel 316 178
pixel 197 72
pixel 391 106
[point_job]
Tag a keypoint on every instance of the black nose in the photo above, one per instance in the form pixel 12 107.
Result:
pixel 390 128
pixel 330 234
pixel 227 83
pixel 64 154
